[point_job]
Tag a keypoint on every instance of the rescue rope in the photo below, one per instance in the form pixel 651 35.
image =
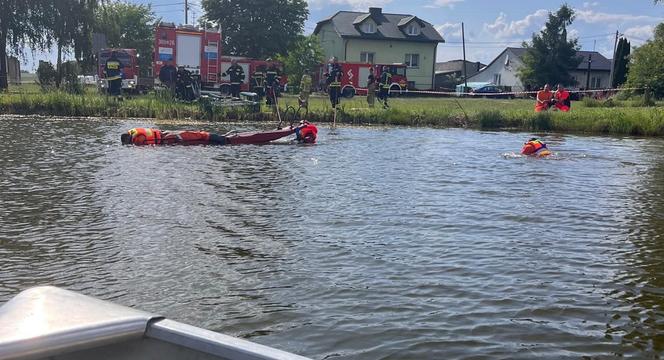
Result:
pixel 511 93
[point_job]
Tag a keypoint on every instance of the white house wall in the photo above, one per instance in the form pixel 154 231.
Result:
pixel 508 74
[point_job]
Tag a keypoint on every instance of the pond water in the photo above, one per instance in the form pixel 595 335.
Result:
pixel 376 243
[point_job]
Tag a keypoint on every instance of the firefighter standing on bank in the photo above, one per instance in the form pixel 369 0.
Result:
pixel 236 74
pixel 259 81
pixel 384 84
pixel 272 78
pixel 305 90
pixel 333 81
pixel 113 73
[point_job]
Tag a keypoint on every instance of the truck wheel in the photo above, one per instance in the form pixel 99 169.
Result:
pixel 395 91
pixel 348 92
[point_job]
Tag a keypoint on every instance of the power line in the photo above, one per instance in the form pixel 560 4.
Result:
pixel 172 4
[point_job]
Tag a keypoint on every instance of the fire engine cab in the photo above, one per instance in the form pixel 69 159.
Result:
pixel 198 50
pixel 129 70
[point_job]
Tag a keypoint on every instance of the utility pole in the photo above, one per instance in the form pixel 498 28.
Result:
pixel 613 60
pixel 186 12
pixel 590 61
pixel 465 77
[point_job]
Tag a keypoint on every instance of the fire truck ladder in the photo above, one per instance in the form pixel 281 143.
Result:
pixel 212 66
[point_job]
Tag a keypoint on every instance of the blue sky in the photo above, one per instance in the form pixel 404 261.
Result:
pixel 490 25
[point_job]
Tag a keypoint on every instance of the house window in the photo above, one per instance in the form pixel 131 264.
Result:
pixel 595 83
pixel 368 28
pixel 497 78
pixel 367 57
pixel 412 60
pixel 413 30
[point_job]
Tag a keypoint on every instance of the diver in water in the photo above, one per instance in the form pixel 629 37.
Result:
pixel 535 147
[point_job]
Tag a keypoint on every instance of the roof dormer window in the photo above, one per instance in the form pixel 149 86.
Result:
pixel 368 27
pixel 413 29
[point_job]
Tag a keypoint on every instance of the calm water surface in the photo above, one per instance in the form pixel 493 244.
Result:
pixel 373 244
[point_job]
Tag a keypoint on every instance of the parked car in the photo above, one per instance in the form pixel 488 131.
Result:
pixel 491 91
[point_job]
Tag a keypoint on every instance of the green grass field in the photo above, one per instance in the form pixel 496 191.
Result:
pixel 614 117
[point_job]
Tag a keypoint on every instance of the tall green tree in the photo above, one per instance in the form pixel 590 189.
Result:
pixel 620 62
pixel 647 64
pixel 128 26
pixel 551 56
pixel 71 29
pixel 305 55
pixel 257 28
pixel 22 23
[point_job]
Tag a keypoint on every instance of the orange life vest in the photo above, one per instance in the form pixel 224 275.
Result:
pixel 143 136
pixel 532 147
pixel 307 133
pixel 562 100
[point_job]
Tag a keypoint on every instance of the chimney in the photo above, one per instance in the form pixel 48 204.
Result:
pixel 375 11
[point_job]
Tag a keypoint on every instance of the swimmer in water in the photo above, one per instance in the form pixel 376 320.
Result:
pixel 535 147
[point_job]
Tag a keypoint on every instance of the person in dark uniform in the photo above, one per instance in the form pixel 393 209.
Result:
pixel 371 88
pixel 333 81
pixel 113 73
pixel 168 76
pixel 384 84
pixel 236 74
pixel 259 80
pixel 272 77
pixel 183 85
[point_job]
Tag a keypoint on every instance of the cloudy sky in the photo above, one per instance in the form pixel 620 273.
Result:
pixel 490 25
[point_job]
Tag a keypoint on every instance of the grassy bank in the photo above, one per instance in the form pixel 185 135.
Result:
pixel 616 117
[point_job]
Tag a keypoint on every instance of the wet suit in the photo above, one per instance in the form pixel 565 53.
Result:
pixel 333 82
pixel 236 74
pixel 113 72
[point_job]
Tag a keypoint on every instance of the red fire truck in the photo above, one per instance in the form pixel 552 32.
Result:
pixel 355 77
pixel 197 50
pixel 250 66
pixel 129 62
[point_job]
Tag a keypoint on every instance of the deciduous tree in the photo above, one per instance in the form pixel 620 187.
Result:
pixel 647 64
pixel 551 56
pixel 305 55
pixel 21 23
pixel 257 28
pixel 128 26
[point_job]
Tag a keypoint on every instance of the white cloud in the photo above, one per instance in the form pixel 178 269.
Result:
pixel 502 28
pixel 449 30
pixel 573 34
pixel 591 17
pixel 444 3
pixel 643 32
pixel 590 4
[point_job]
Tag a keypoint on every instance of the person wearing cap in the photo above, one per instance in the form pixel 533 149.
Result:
pixel 333 81
pixel 535 147
pixel 384 83
pixel 259 81
pixel 236 74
